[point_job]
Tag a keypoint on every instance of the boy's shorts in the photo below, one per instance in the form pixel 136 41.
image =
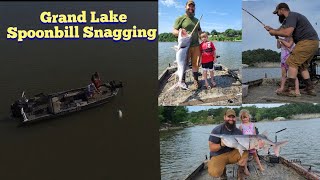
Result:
pixel 208 66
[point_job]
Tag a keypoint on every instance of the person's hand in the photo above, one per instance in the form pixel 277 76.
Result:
pixel 222 144
pixel 268 28
pixel 272 32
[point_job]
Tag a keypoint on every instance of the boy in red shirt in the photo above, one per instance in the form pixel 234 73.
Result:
pixel 208 54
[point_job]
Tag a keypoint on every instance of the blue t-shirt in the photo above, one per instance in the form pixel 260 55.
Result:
pixel 221 129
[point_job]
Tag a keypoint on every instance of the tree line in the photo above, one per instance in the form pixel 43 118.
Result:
pixel 177 114
pixel 251 57
pixel 227 35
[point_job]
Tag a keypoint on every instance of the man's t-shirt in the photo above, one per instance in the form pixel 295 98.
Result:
pixel 207 51
pixel 188 24
pixel 303 30
pixel 221 129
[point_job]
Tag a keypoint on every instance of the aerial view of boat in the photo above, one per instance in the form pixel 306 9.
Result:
pixel 42 106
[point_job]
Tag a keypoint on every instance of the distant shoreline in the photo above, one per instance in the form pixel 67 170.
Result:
pixel 296 117
pixel 264 65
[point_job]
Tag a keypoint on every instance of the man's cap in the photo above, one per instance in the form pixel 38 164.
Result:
pixel 230 112
pixel 190 2
pixel 281 5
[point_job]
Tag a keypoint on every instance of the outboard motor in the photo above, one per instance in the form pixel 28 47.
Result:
pixel 16 108
pixel 114 85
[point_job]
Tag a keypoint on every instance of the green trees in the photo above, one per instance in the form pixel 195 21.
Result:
pixel 175 115
pixel 172 114
pixel 214 35
pixel 167 37
pixel 250 57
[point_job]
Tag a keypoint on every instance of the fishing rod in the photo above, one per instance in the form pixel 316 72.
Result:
pixel 196 25
pixel 254 17
pixel 257 20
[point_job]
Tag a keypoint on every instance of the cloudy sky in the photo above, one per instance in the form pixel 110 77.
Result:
pixel 218 15
pixel 255 36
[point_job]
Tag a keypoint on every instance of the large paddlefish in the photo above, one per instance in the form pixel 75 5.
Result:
pixel 246 142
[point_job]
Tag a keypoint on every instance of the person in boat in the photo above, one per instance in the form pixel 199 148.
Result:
pixel 95 79
pixel 247 127
pixel 91 89
pixel 220 155
pixel 208 58
pixel 188 22
pixel 307 43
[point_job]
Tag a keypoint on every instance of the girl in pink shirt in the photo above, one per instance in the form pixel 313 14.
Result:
pixel 248 128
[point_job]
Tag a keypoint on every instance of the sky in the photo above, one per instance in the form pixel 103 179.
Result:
pixel 255 36
pixel 199 108
pixel 218 15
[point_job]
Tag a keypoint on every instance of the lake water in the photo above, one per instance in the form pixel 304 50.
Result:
pixel 181 152
pixel 251 74
pixel 93 144
pixel 229 52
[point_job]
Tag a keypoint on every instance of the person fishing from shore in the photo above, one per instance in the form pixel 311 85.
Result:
pixel 221 155
pixel 208 54
pixel 307 43
pixel 188 21
pixel 286 44
pixel 248 128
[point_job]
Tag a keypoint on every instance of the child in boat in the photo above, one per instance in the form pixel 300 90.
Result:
pixel 95 79
pixel 208 54
pixel 248 128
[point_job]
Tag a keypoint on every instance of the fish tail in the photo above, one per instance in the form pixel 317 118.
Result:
pixel 277 146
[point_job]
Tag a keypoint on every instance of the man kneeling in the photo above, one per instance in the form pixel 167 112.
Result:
pixel 220 155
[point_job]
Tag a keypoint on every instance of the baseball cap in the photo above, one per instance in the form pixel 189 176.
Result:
pixel 230 112
pixel 190 2
pixel 281 5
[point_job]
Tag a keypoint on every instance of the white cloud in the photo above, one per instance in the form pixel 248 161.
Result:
pixel 171 3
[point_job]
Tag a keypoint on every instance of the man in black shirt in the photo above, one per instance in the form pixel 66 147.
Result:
pixel 221 155
pixel 307 44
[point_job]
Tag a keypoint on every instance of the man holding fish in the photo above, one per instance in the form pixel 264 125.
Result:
pixel 220 154
pixel 228 146
pixel 188 22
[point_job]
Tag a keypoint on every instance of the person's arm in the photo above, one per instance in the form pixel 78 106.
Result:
pixel 254 130
pixel 285 32
pixel 278 44
pixel 215 147
pixel 177 26
pixel 287 44
pixel 215 143
pixel 214 52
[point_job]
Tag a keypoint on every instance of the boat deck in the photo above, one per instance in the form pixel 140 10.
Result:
pixel 281 171
pixel 263 91
pixel 227 91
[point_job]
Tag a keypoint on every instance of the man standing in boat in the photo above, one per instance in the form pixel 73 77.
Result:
pixel 188 22
pixel 220 155
pixel 307 43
